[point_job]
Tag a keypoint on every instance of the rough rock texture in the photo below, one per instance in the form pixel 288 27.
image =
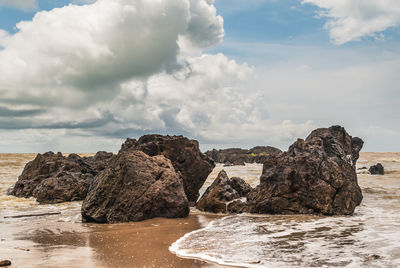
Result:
pixel 184 155
pixel 236 163
pixel 258 154
pixel 377 169
pixel 223 190
pixel 136 187
pixel 54 178
pixel 316 175
pixel 99 161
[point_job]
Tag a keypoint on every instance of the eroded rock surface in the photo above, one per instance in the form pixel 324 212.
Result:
pixel 136 187
pixel 222 191
pixel 316 175
pixel 54 178
pixel 258 154
pixel 184 154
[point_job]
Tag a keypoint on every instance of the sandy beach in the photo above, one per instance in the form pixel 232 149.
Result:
pixel 368 238
pixel 54 243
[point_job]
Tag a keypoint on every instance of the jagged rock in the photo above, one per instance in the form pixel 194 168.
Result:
pixel 221 192
pixel 377 169
pixel 99 161
pixel 135 187
pixel 184 155
pixel 54 178
pixel 258 154
pixel 316 175
pixel 237 207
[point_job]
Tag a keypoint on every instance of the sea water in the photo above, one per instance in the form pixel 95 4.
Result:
pixel 370 238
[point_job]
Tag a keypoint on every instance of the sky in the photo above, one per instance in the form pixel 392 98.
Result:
pixel 82 76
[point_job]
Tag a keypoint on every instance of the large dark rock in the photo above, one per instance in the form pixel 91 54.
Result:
pixel 258 154
pixel 222 191
pixel 184 155
pixel 136 187
pixel 99 161
pixel 377 169
pixel 54 178
pixel 316 175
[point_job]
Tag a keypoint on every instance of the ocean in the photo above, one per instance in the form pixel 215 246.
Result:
pixel 370 238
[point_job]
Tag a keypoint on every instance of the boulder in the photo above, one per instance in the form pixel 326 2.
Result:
pixel 257 154
pixel 222 191
pixel 99 161
pixel 315 176
pixel 184 154
pixel 135 187
pixel 54 178
pixel 377 169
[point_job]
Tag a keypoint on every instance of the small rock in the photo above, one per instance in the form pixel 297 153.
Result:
pixel 5 263
pixel 377 169
pixel 222 191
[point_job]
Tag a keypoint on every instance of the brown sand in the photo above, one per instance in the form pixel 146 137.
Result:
pixel 51 243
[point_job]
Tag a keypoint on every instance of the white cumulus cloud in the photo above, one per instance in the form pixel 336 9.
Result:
pixel 75 54
pixel 350 20
pixel 115 69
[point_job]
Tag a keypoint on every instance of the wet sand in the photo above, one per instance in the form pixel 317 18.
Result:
pixel 63 241
pixel 53 243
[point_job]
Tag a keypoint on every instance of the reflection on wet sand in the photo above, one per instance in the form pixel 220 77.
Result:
pixel 52 243
pixel 143 244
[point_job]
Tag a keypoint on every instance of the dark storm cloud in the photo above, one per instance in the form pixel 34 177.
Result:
pixel 6 112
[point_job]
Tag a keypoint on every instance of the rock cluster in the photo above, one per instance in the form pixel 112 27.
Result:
pixel 222 191
pixel 159 176
pixel 136 187
pixel 155 176
pixel 184 154
pixel 315 176
pixel 233 156
pixel 54 178
pixel 377 169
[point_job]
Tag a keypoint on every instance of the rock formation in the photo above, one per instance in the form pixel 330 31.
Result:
pixel 135 187
pixel 257 154
pixel 316 175
pixel 184 155
pixel 54 178
pixel 377 169
pixel 222 191
pixel 236 163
